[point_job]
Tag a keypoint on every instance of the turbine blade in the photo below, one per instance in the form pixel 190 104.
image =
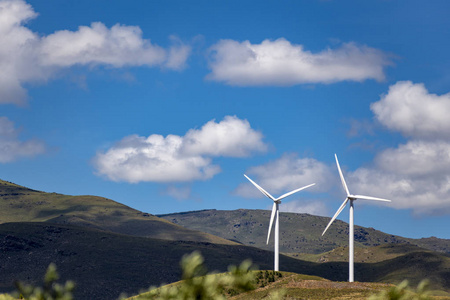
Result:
pixel 260 188
pixel 371 198
pixel 342 176
pixel 274 208
pixel 336 214
pixel 295 191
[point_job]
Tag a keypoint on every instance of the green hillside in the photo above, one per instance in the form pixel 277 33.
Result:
pixel 108 248
pixel 105 264
pixel 20 204
pixel 300 233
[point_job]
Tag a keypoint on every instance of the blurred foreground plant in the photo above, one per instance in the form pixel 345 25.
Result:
pixel 197 284
pixel 404 292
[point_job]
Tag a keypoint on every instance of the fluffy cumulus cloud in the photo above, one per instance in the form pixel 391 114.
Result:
pixel 415 175
pixel 410 109
pixel 27 57
pixel 287 173
pixel 281 63
pixel 231 137
pixel 417 158
pixel 178 158
pixel 423 194
pixel 12 148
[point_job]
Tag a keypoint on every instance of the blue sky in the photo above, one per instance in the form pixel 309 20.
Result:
pixel 164 105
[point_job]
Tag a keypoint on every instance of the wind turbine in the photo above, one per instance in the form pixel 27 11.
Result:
pixel 350 198
pixel 275 215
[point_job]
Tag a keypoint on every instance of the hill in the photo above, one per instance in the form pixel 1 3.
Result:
pixel 300 233
pixel 20 204
pixel 105 264
pixel 108 248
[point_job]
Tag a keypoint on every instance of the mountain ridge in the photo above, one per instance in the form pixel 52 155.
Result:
pixel 300 233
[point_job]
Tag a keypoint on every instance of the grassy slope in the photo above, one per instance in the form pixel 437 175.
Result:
pixel 20 204
pixel 297 286
pixel 300 233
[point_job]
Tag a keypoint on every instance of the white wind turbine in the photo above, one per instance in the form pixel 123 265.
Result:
pixel 350 198
pixel 275 214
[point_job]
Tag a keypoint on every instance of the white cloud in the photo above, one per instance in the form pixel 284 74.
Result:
pixel 177 158
pixel 97 44
pixel 11 148
pixel 231 137
pixel 155 158
pixel 416 174
pixel 27 57
pixel 281 63
pixel 424 195
pixel 311 207
pixel 410 109
pixel 416 159
pixel 287 173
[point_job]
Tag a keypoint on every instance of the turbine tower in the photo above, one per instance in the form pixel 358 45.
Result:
pixel 350 198
pixel 275 215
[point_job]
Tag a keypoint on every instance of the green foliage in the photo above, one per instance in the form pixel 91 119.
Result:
pixel 404 292
pixel 49 291
pixel 197 284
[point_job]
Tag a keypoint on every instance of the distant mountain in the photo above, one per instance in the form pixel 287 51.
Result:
pixel 20 204
pixel 300 233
